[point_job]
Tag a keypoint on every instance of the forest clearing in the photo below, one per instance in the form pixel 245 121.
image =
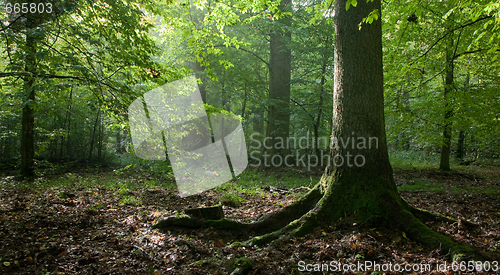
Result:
pixel 96 221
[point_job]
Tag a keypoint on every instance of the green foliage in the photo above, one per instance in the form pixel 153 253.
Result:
pixel 243 263
pixel 420 185
pixel 230 199
pixel 416 46
pixel 94 59
pixel 413 159
pixel 350 3
pixel 130 200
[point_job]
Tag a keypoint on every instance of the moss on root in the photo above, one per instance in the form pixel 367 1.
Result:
pixel 419 232
pixel 425 215
pixel 297 228
pixel 283 217
pixel 321 207
pixel 270 223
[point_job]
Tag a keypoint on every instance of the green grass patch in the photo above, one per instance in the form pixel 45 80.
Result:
pixel 413 159
pixel 230 199
pixel 421 186
pixel 286 178
pixel 130 200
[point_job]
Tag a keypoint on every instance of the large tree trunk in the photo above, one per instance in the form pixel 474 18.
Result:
pixel 278 117
pixel 28 119
pixel 359 178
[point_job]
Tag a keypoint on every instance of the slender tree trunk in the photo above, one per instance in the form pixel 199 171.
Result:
pixel 278 118
pixel 244 102
pixel 54 143
pixel 28 119
pixel 258 121
pixel 92 137
pixel 68 131
pixel 62 145
pixel 320 105
pixel 101 137
pixel 448 88
pixel 461 145
pixel 461 132
pixel 120 149
pixel 225 98
pixel 405 139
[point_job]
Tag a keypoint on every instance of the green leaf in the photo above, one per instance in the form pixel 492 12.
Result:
pixel 80 68
pixel 493 49
pixel 354 3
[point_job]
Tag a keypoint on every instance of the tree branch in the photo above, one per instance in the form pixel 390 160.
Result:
pixel 302 106
pixel 40 75
pixel 449 32
pixel 469 52
pixel 247 51
pixel 11 23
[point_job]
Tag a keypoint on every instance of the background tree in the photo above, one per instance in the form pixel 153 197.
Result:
pixel 429 52
pixel 103 46
pixel 280 59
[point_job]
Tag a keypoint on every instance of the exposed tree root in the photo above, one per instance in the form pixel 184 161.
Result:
pixel 316 209
pixel 294 211
pixel 269 223
pixel 425 215
pixel 419 232
pixel 298 227
pixel 406 221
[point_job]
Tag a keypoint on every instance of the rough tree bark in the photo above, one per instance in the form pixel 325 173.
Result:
pixel 365 193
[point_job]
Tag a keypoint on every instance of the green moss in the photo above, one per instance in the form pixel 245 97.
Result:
pixel 306 225
pixel 243 263
pixel 419 232
pixel 427 215
pixel 267 238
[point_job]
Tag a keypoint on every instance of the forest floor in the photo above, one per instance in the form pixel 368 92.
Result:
pixel 98 221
